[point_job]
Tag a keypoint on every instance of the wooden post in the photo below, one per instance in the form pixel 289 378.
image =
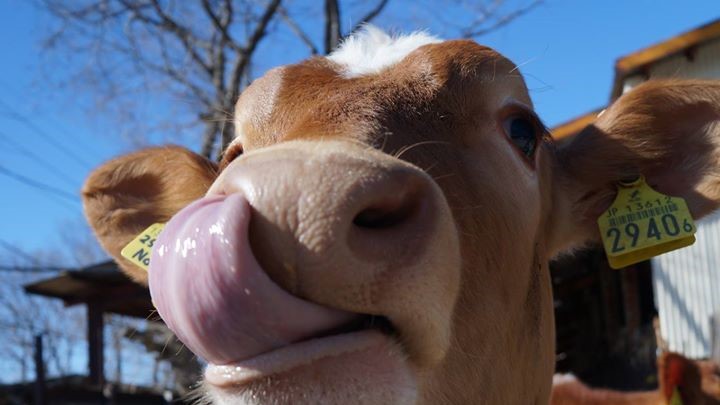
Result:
pixel 631 300
pixel 39 396
pixel 611 305
pixel 117 346
pixel 715 337
pixel 96 337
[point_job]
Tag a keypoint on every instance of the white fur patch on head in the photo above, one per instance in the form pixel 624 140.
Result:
pixel 372 50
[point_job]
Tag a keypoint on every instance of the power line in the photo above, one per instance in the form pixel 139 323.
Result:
pixel 37 159
pixel 29 269
pixel 38 185
pixel 88 148
pixel 58 199
pixel 14 115
pixel 16 250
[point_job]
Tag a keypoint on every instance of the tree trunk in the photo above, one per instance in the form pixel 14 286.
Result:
pixel 209 136
pixel 228 132
pixel 332 25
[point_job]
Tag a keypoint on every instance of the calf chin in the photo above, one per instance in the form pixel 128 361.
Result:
pixel 378 375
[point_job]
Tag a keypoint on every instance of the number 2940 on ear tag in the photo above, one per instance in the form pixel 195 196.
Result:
pixel 642 223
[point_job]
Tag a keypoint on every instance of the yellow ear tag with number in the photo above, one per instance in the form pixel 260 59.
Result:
pixel 676 400
pixel 642 223
pixel 139 249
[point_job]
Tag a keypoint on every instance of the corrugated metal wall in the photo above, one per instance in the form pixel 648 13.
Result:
pixel 687 282
pixel 687 291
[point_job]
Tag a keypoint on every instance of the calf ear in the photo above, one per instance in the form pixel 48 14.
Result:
pixel 129 193
pixel 668 131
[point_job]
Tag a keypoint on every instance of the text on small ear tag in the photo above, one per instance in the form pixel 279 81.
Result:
pixel 642 223
pixel 139 249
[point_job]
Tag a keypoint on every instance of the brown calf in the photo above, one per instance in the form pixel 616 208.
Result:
pixel 379 232
pixel 696 383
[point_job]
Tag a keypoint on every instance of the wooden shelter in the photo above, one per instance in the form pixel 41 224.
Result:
pixel 103 289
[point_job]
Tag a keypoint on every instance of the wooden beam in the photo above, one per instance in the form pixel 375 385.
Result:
pixel 109 294
pixel 573 127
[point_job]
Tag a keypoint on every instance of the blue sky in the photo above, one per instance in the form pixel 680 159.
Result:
pixel 566 49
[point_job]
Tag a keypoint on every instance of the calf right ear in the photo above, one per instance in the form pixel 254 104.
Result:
pixel 666 130
pixel 127 194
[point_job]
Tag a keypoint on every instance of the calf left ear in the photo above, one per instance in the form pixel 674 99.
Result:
pixel 128 194
pixel 668 131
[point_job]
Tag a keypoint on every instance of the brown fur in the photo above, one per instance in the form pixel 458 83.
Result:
pixel 122 199
pixel 665 130
pixel 441 109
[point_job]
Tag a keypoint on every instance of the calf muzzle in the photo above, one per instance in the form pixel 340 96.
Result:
pixel 298 242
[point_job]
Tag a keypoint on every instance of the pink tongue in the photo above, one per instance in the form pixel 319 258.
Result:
pixel 209 289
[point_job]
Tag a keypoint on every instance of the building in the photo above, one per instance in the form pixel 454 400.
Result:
pixel 102 289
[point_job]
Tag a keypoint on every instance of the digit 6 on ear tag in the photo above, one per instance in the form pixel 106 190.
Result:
pixel 642 223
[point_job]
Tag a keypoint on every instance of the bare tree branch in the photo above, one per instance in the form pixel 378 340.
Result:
pixel 302 35
pixel 241 63
pixel 202 52
pixel 371 15
pixel 476 29
pixel 261 27
pixel 222 23
pixel 179 77
pixel 209 138
pixel 243 58
pixel 186 37
pixel 157 338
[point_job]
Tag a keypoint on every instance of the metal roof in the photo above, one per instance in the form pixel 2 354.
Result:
pixel 640 61
pixel 572 127
pixel 636 62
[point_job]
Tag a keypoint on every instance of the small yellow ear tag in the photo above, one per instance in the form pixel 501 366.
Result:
pixel 139 249
pixel 642 223
pixel 676 400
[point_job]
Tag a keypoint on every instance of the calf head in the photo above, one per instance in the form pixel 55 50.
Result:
pixel 380 229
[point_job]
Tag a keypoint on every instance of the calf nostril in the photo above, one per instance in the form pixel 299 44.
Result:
pixel 387 214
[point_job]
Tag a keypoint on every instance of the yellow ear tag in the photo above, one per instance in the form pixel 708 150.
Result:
pixel 139 249
pixel 642 223
pixel 676 400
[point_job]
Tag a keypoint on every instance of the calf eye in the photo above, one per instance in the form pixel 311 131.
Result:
pixel 524 131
